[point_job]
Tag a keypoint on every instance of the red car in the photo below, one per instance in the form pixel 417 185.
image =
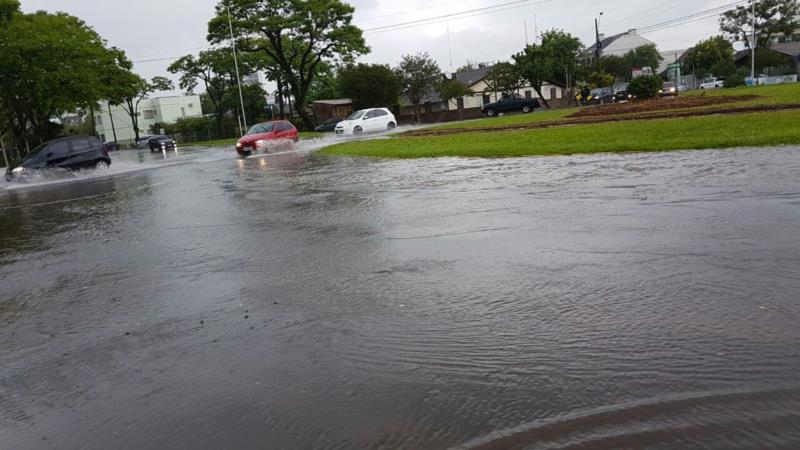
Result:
pixel 278 130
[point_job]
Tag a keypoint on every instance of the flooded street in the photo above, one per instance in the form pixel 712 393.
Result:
pixel 304 301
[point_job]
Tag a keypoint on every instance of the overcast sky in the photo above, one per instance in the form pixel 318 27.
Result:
pixel 153 32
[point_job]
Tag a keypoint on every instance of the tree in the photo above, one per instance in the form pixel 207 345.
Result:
pixel 646 86
pixel 370 85
pixel 643 56
pixel 556 58
pixel 296 36
pixel 216 71
pixel 773 18
pixel 616 66
pixel 504 77
pixel 600 79
pixel 711 56
pixel 467 67
pixel 49 64
pixel 419 76
pixel 134 90
pixel 452 89
pixel 325 85
pixel 253 97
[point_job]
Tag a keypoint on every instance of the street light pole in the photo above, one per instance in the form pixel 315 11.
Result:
pixel 753 49
pixel 236 63
pixel 598 45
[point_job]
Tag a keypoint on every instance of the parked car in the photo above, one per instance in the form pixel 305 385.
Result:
pixel 668 90
pixel 367 121
pixel 602 95
pixel 278 130
pixel 112 146
pixel 682 88
pixel 142 143
pixel 509 103
pixel 70 153
pixel 328 126
pixel 713 83
pixel 621 93
pixel 160 142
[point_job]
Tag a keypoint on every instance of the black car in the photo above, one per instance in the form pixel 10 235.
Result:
pixel 621 93
pixel 160 142
pixel 510 103
pixel 668 90
pixel 327 126
pixel 70 153
pixel 603 95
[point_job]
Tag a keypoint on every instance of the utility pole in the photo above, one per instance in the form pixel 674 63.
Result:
pixel 525 24
pixel 236 63
pixel 753 49
pixel 113 129
pixel 598 44
pixel 449 45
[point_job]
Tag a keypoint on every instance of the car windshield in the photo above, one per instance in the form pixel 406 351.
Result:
pixel 709 80
pixel 261 128
pixel 357 115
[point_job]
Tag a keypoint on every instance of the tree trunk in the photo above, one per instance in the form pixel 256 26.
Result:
pixel 538 90
pixel 279 82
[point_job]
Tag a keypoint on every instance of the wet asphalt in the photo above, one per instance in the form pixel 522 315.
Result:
pixel 200 301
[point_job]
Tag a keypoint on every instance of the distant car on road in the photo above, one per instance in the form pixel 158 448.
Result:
pixel 142 143
pixel 367 121
pixel 160 142
pixel 713 83
pixel 275 131
pixel 328 126
pixel 510 103
pixel 603 95
pixel 621 93
pixel 70 153
pixel 668 90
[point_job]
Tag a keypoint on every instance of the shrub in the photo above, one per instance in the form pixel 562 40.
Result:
pixel 646 86
pixel 737 79
pixel 600 79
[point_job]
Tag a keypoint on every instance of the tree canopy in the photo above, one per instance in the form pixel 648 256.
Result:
pixel 711 56
pixel 504 77
pixel 296 36
pixel 551 61
pixel 774 18
pixel 419 76
pixel 370 85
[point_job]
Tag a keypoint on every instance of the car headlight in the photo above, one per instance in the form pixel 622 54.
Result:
pixel 239 145
pixel 672 89
pixel 17 169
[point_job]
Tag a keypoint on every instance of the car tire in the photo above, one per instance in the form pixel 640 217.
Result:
pixel 100 165
pixel 526 109
pixel 391 126
pixel 358 130
pixel 491 112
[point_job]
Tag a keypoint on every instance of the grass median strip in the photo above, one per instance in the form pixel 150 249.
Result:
pixel 756 129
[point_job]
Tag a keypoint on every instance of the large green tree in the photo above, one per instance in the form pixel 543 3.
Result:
pixel 643 56
pixel 49 64
pixel 504 77
pixel 774 18
pixel 711 56
pixel 556 59
pixel 295 35
pixel 215 72
pixel 370 85
pixel 419 76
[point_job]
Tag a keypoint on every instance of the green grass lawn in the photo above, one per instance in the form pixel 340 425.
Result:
pixel 232 141
pixel 755 129
pixel 775 94
pixel 513 119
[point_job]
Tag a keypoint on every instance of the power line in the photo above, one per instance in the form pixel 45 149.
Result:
pixel 689 18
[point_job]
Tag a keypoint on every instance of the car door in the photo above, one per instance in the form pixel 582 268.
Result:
pixel 381 120
pixel 58 154
pixel 83 152
pixel 369 121
pixel 282 130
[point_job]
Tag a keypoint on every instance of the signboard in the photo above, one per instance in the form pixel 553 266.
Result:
pixel 641 71
pixel 270 99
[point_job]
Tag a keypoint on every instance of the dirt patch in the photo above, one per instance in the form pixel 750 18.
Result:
pixel 661 104
pixel 607 119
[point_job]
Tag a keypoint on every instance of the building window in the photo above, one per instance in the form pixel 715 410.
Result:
pixel 98 120
pixel 191 105
pixel 183 112
pixel 487 99
pixel 149 114
pixel 528 94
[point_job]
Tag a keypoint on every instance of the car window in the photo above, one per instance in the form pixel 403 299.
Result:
pixel 261 128
pixel 380 113
pixel 58 149
pixel 371 114
pixel 356 115
pixel 81 144
pixel 282 126
pixel 94 141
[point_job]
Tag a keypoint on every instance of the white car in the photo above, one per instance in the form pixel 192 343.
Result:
pixel 713 83
pixel 366 121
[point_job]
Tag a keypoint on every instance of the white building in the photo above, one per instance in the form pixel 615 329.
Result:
pixel 616 45
pixel 483 94
pixel 114 120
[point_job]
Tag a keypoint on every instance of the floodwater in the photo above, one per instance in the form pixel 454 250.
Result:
pixel 303 301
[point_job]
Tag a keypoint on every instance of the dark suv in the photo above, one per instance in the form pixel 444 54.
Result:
pixel 510 103
pixel 69 153
pixel 160 142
